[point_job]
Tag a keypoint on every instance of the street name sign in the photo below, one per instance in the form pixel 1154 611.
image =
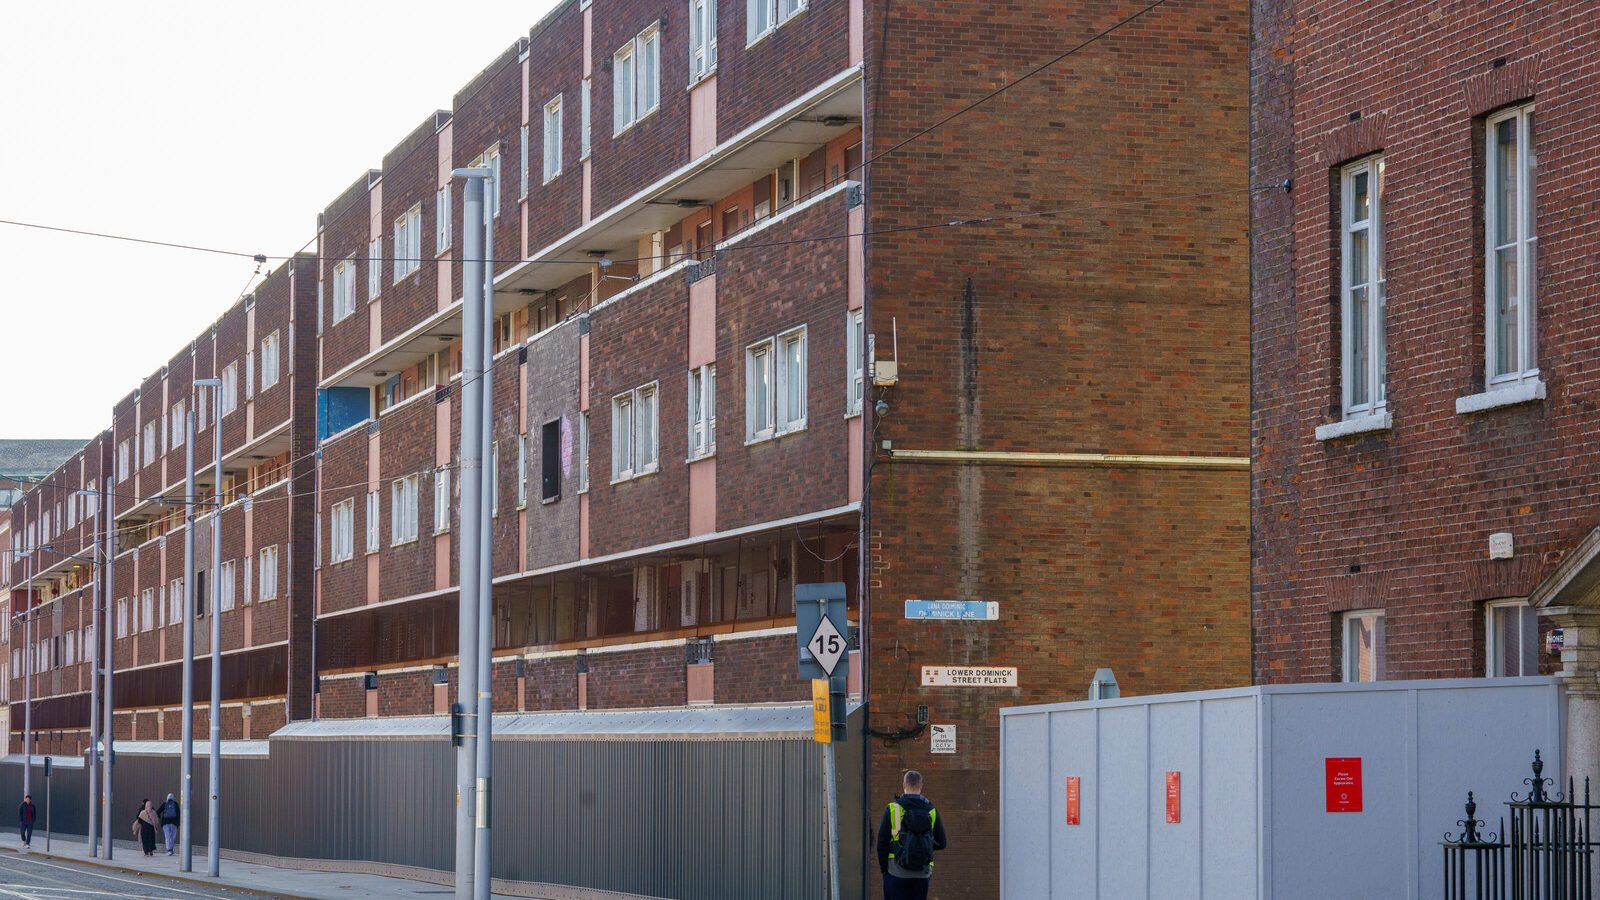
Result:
pixel 953 610
pixel 969 676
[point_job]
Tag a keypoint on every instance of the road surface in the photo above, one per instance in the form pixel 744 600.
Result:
pixel 24 877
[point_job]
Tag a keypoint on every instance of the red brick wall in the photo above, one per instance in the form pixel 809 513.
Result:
pixel 552 684
pixel 344 477
pixel 627 162
pixel 639 339
pixel 631 679
pixel 808 49
pixel 1400 520
pixel 1121 330
pixel 407 445
pixel 274 304
pixel 758 670
pixel 410 176
pixel 555 66
pixel 488 111
pixel 346 228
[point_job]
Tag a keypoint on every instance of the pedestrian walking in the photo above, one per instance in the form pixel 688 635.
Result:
pixel 908 836
pixel 144 827
pixel 169 814
pixel 26 814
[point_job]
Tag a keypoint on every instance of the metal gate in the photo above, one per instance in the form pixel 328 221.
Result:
pixel 1547 853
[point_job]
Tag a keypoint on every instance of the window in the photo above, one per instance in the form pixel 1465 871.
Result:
pixel 122 617
pixel 636 79
pixel 522 469
pixel 147 609
pixel 1363 645
pixel 342 531
pixel 1362 291
pixel 122 461
pixel 792 380
pixel 549 461
pixel 374 540
pixel 174 601
pixel 552 139
pixel 150 436
pixel 227 575
pixel 403 510
pixel 248 584
pixel 441 500
pixel 1512 643
pixel 1509 264
pixel 702 38
pixel 268 573
pixel 854 362
pixel 91 503
pixel 702 411
pixel 408 243
pixel 203 409
pixel 269 360
pixel 494 479
pixel 490 159
pixel 344 289
pixel 758 391
pixel 229 400
pixel 583 452
pixel 634 446
pixel 375 265
pixel 762 16
pixel 180 424
pixel 441 220
pixel 583 121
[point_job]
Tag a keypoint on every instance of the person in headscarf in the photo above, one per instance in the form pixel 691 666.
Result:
pixel 144 826
pixel 169 815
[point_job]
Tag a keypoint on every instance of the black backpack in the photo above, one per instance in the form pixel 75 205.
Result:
pixel 914 851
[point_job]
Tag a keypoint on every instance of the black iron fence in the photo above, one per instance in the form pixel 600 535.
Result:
pixel 1546 854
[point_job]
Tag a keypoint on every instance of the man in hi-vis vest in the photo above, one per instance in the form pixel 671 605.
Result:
pixel 909 834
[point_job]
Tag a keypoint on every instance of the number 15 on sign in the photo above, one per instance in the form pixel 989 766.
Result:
pixel 827 645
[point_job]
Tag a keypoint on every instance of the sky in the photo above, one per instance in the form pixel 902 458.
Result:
pixel 224 125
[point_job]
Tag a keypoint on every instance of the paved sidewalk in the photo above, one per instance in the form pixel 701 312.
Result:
pixel 254 878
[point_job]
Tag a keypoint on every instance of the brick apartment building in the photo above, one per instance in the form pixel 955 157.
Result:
pixel 735 344
pixel 1424 342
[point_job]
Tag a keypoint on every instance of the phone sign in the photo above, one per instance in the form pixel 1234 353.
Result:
pixel 1343 783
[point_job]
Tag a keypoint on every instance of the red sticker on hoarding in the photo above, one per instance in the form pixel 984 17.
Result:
pixel 1343 783
pixel 1174 798
pixel 1072 799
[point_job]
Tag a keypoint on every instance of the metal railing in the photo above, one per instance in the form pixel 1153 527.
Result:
pixel 1547 854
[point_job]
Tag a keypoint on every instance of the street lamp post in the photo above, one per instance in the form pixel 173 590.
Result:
pixel 27 683
pixel 186 750
pixel 94 689
pixel 214 763
pixel 108 552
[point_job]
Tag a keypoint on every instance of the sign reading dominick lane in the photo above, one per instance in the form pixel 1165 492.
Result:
pixel 969 676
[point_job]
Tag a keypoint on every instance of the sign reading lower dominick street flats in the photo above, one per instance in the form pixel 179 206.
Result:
pixel 969 676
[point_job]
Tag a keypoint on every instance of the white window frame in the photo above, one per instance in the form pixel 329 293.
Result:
pixel 408 243
pixel 267 573
pixel 702 406
pixel 147 609
pixel 202 409
pixel 403 510
pixel 441 220
pixel 180 424
pixel 763 17
pixel 633 453
pixel 523 190
pixel 122 617
pixel 494 479
pixel 1372 370
pixel 760 423
pixel 1491 649
pixel 855 362
pixel 230 388
pixel 441 500
pixel 175 600
pixel 790 420
pixel 124 461
pixel 552 140
pixel 702 39
pixel 375 266
pixel 522 470
pixel 151 431
pixel 1347 644
pixel 227 576
pixel 341 531
pixel 636 93
pixel 344 289
pixel 374 513
pixel 1523 245
pixel 271 356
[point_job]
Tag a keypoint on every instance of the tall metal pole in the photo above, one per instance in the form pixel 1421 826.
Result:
pixel 186 749
pixel 214 763
pixel 106 639
pixel 94 688
pixel 471 474
pixel 481 870
pixel 27 684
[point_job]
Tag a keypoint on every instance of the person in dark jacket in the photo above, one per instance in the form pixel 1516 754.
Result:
pixel 26 814
pixel 144 827
pixel 169 815
pixel 903 821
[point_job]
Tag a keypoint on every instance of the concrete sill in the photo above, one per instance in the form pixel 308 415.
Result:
pixel 1359 425
pixel 1521 392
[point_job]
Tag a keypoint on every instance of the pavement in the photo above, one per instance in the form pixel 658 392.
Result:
pixel 68 872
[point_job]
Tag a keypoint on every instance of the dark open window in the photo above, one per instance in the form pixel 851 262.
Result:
pixel 550 460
